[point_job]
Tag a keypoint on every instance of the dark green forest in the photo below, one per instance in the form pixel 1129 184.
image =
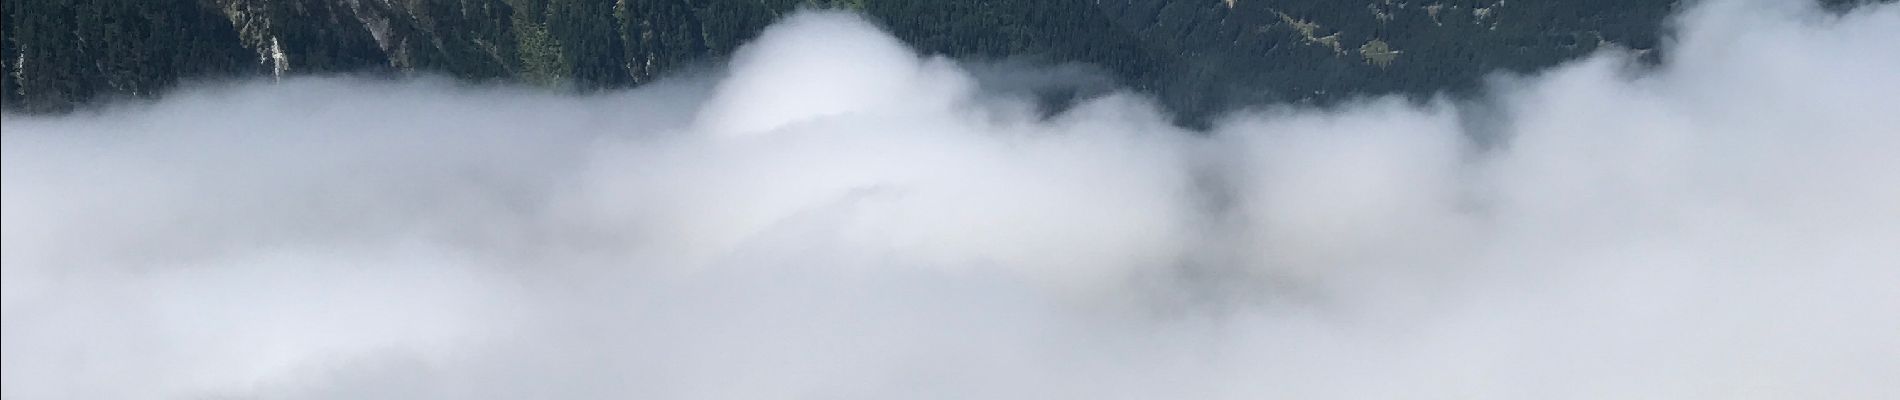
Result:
pixel 1196 56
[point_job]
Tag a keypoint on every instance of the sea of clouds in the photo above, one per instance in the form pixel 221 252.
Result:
pixel 836 216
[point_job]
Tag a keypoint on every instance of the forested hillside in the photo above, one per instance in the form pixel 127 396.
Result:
pixel 1196 55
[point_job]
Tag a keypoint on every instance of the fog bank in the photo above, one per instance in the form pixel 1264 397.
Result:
pixel 836 216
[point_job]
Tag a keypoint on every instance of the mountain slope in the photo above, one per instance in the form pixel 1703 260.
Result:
pixel 1197 56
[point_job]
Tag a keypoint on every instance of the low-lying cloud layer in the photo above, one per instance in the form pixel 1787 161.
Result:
pixel 838 217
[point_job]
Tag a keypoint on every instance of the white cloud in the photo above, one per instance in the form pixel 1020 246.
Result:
pixel 838 217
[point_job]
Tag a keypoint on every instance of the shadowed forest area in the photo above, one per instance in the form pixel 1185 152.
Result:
pixel 1196 56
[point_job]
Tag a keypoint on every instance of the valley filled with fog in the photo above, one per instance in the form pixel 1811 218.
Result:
pixel 833 215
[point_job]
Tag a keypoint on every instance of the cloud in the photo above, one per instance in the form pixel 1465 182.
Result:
pixel 837 216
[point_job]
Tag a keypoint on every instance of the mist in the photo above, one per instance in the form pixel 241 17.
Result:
pixel 833 215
